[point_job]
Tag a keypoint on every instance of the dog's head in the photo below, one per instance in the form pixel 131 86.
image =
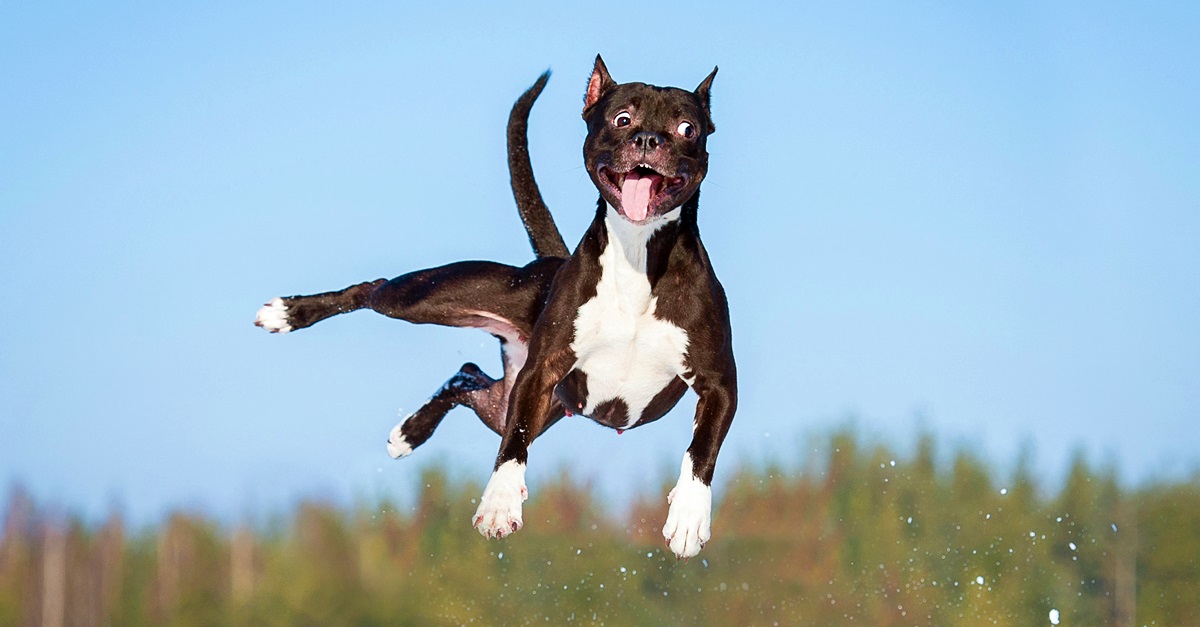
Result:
pixel 645 147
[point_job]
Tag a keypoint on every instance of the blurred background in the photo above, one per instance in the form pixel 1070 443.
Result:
pixel 946 233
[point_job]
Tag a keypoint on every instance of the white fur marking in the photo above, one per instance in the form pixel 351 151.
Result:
pixel 515 353
pixel 273 317
pixel 499 512
pixel 515 350
pixel 690 515
pixel 397 444
pixel 622 347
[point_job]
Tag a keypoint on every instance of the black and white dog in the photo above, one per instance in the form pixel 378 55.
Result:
pixel 616 331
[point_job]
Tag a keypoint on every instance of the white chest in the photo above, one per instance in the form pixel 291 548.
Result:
pixel 626 352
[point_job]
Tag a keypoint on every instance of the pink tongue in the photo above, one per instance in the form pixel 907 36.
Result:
pixel 635 196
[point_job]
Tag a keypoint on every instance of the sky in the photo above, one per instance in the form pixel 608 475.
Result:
pixel 978 221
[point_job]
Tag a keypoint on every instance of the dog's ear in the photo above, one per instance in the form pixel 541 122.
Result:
pixel 599 84
pixel 703 92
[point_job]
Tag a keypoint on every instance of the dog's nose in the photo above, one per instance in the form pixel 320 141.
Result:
pixel 647 141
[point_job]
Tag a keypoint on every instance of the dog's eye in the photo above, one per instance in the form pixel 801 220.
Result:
pixel 686 129
pixel 623 119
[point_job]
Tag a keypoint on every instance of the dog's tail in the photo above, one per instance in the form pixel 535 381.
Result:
pixel 543 233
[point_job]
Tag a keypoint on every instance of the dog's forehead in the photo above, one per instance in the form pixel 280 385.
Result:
pixel 669 102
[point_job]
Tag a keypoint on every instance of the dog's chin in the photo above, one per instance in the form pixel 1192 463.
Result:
pixel 641 193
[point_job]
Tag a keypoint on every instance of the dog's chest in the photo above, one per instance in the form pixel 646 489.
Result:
pixel 627 353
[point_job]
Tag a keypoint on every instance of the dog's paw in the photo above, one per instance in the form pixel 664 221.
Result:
pixel 273 317
pixel 499 512
pixel 397 444
pixel 689 517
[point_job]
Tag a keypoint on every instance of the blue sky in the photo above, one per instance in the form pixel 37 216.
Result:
pixel 982 221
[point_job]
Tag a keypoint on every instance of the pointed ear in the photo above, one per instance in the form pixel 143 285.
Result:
pixel 703 93
pixel 599 84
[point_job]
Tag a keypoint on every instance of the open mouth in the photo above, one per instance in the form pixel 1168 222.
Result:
pixel 642 189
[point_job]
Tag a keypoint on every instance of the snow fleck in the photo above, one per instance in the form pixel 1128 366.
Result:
pixel 910 520
pixel 500 556
pixel 1053 617
pixel 893 463
pixel 1072 545
pixel 1114 527
pixel 622 569
pixel 979 580
pixel 1032 534
pixel 1003 491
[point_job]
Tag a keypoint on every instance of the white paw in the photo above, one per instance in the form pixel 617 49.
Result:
pixel 273 317
pixel 499 512
pixel 397 445
pixel 690 515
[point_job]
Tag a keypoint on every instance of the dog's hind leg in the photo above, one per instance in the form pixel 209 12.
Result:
pixel 284 314
pixel 471 387
pixel 499 299
pixel 477 294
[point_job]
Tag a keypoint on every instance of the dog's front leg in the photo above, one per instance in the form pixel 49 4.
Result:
pixel 499 511
pixel 532 408
pixel 690 513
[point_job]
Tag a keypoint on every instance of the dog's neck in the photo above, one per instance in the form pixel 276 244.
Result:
pixel 631 239
pixel 628 257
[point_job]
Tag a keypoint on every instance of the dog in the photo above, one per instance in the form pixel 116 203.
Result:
pixel 616 331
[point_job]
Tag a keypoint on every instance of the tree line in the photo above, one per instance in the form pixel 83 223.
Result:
pixel 860 536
